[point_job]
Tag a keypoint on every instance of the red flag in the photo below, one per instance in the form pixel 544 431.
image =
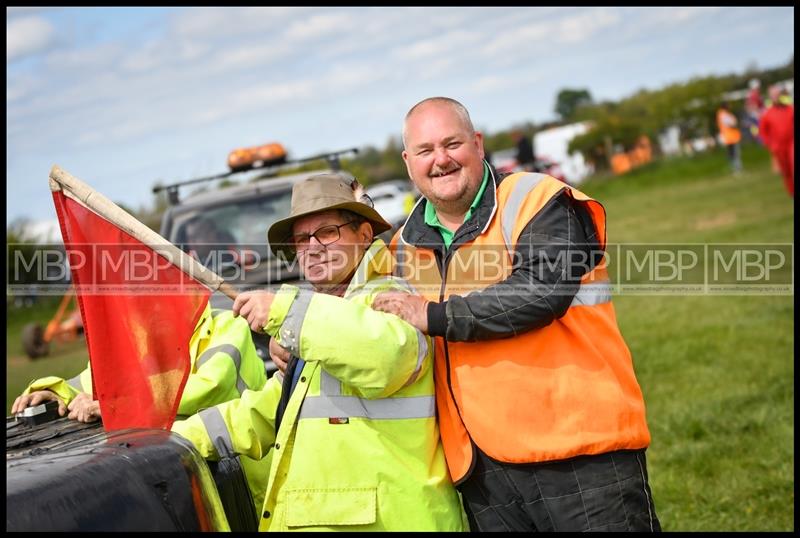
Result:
pixel 139 312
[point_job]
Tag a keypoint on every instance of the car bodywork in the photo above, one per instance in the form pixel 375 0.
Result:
pixel 64 475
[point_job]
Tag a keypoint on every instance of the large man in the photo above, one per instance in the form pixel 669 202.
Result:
pixel 541 416
pixel 352 427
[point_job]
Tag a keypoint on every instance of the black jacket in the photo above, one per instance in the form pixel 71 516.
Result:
pixel 539 290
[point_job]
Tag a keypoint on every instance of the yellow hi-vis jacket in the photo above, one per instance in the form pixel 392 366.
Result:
pixel 224 363
pixel 358 446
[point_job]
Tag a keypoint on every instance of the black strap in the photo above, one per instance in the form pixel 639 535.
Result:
pixel 286 392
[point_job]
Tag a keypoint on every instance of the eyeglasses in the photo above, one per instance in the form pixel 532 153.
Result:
pixel 325 236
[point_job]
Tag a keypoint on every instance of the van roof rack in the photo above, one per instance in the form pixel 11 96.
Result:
pixel 331 157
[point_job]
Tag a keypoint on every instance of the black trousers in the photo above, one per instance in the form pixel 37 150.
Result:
pixel 606 492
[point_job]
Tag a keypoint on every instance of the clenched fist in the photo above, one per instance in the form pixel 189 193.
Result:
pixel 254 307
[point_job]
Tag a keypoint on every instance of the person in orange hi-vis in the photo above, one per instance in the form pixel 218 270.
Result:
pixel 730 135
pixel 541 416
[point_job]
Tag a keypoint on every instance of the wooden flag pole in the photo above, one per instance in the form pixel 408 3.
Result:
pixel 80 192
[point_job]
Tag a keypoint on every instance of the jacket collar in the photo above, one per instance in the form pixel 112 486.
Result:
pixel 202 332
pixel 376 262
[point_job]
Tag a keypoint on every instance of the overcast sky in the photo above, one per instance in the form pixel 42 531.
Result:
pixel 122 97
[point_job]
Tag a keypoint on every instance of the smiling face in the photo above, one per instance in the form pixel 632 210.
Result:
pixel 332 264
pixel 443 155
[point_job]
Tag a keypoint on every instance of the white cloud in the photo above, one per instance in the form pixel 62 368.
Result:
pixel 344 78
pixel 575 27
pixel 19 87
pixel 27 36
pixel 488 84
pixel 680 15
pixel 648 23
pixel 583 27
pixel 214 24
pixel 320 26
pixel 170 93
pixel 76 61
pixel 436 46
pixel 149 57
pixel 512 39
pixel 247 57
pixel 23 11
pixel 271 94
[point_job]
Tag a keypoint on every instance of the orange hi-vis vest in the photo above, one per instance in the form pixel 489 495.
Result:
pixel 728 132
pixel 564 390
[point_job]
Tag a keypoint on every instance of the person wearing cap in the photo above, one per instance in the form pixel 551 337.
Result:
pixel 351 424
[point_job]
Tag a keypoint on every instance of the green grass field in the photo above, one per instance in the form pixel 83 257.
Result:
pixel 65 359
pixel 717 371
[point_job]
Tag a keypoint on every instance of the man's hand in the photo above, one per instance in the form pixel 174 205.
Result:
pixel 411 308
pixel 254 306
pixel 279 355
pixel 35 398
pixel 83 409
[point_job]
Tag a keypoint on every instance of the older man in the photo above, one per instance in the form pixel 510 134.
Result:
pixel 542 419
pixel 352 427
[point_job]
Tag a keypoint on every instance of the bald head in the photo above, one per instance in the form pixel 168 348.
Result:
pixel 444 156
pixel 459 109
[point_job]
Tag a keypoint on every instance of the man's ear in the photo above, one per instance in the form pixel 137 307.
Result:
pixel 479 143
pixel 366 233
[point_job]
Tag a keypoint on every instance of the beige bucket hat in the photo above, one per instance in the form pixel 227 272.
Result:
pixel 323 192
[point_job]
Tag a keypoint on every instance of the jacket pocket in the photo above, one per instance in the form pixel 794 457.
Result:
pixel 346 506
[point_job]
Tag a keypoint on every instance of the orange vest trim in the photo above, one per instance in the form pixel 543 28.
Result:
pixel 561 391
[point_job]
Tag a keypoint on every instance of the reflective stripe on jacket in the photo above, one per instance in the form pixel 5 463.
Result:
pixel 358 447
pixel 564 390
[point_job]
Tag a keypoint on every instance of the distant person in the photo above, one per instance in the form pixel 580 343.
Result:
pixel 730 135
pixel 526 159
pixel 777 130
pixel 754 108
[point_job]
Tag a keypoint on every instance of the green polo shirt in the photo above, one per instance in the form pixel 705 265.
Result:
pixel 433 221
